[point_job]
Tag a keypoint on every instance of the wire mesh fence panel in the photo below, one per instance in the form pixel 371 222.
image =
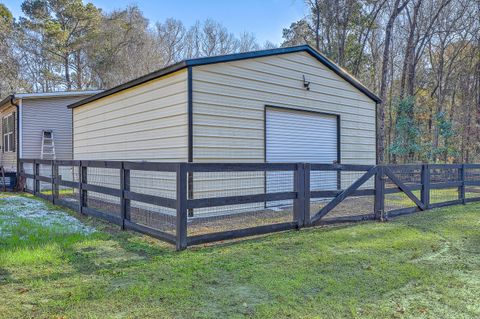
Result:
pixel 347 178
pixel 438 196
pixel 106 177
pixel 275 182
pixel 104 203
pixel 152 216
pixel 472 175
pixel 214 185
pixel 472 192
pixel 400 200
pixel 162 184
pixel 352 207
pixel 411 177
pixel 28 168
pixel 29 185
pixel 444 175
pixel 407 174
pixel 69 174
pixel 45 188
pixel 239 220
pixel 223 184
pixel 336 182
pixel 45 170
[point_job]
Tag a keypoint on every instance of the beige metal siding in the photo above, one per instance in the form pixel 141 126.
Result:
pixel 148 122
pixel 229 101
pixel 8 159
pixel 47 114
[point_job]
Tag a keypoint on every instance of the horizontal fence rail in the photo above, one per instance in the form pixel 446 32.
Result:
pixel 193 203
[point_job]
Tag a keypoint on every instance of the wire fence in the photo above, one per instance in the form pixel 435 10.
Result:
pixel 193 203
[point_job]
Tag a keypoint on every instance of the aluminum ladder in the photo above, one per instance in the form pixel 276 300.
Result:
pixel 48 145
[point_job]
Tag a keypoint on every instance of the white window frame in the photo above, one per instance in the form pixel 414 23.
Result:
pixel 7 146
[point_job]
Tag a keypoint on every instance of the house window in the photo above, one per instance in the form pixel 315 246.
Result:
pixel 8 130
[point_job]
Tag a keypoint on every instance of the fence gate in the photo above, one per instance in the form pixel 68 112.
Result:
pixel 406 189
pixel 353 181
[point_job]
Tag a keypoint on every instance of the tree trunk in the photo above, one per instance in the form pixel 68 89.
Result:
pixel 383 82
pixel 67 73
pixel 408 70
pixel 79 73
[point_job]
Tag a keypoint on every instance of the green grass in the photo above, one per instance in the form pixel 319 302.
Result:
pixel 436 196
pixel 425 265
pixel 64 192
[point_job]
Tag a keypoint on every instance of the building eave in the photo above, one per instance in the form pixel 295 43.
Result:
pixel 55 94
pixel 7 100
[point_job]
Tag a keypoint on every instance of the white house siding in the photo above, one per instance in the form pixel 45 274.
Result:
pixel 229 100
pixel 148 122
pixel 47 114
pixel 8 159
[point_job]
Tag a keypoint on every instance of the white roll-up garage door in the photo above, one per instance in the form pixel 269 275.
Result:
pixel 297 136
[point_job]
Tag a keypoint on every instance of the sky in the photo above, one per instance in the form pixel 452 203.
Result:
pixel 264 18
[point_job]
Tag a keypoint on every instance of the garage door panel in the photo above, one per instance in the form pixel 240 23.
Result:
pixel 296 136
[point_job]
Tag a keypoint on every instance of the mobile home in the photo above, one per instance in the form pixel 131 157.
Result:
pixel 26 116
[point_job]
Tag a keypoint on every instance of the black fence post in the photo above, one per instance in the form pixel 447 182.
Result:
pixel 36 182
pixel 299 188
pixel 181 206
pixel 80 187
pixel 461 189
pixel 425 180
pixel 58 177
pixel 306 200
pixel 20 174
pixel 379 204
pixel 83 193
pixel 53 176
pixel 125 187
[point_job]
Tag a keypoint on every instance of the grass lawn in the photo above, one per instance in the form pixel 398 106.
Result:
pixel 425 265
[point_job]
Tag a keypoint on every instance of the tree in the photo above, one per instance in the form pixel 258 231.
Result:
pixel 397 9
pixel 62 29
pixel 171 40
pixel 407 131
pixel 124 48
pixel 9 62
pixel 448 151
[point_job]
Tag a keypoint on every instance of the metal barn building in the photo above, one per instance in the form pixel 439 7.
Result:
pixel 26 116
pixel 279 105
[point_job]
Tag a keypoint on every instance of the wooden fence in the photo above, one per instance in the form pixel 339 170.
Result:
pixel 192 203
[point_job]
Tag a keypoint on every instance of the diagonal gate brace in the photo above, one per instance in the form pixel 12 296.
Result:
pixel 341 197
pixel 404 188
